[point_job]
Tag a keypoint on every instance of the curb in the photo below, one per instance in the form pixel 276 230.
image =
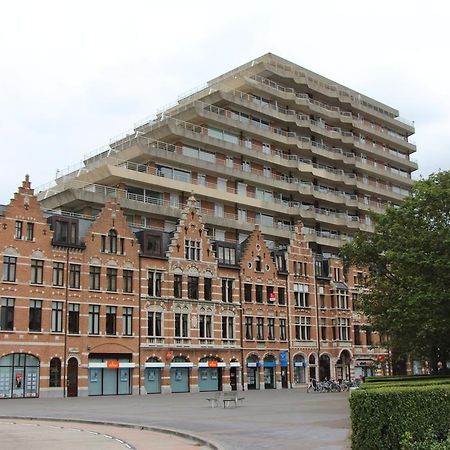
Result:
pixel 189 436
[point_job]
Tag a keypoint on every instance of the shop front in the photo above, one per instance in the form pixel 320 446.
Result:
pixel 110 374
pixel 365 368
pixel 269 372
pixel 19 376
pixel 179 374
pixel 252 372
pixel 234 374
pixel 152 375
pixel 299 369
pixel 210 374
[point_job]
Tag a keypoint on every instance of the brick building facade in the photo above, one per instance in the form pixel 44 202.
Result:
pixel 92 306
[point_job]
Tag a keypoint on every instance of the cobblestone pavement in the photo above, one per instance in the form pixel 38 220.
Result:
pixel 290 419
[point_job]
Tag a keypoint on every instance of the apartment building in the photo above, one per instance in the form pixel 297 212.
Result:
pixel 198 251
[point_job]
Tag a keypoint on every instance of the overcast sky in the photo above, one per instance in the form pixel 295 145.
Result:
pixel 73 75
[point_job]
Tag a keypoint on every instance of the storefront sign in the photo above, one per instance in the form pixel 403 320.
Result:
pixel 169 355
pixel 212 364
pixel 112 364
pixel 283 359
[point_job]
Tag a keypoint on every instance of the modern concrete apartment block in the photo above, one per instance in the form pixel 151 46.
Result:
pixel 199 251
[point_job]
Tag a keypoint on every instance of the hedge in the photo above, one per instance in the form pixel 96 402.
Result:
pixel 407 383
pixel 397 378
pixel 381 417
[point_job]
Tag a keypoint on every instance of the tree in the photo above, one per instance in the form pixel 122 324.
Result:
pixel 408 263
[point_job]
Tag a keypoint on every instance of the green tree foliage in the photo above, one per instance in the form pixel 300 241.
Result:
pixel 408 259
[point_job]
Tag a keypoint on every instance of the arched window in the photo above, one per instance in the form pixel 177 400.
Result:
pixel 112 241
pixel 55 372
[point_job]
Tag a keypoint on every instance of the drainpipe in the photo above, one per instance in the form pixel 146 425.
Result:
pixel 66 314
pixel 288 308
pixel 242 328
pixel 139 321
pixel 316 304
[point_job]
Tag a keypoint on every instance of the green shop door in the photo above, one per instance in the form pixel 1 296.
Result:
pixel 208 379
pixel 179 379
pixel 152 381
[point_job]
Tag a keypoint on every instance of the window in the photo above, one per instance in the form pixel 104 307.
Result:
pixel 248 327
pixel 260 328
pixel 300 268
pixel 247 292
pixel 242 215
pixel 122 246
pixel 303 328
pixel 226 255
pixel 192 250
pixel 154 328
pixel 270 294
pixel 178 286
pixel 74 276
pixel 9 268
pixel 18 229
pixel 227 327
pixel 57 317
pixel 323 329
pixel 74 318
pixel 259 293
pixel 127 321
pixel 37 271
pixel 154 283
pixel 35 315
pixel 369 341
pixel 271 328
pixel 7 314
pixel 301 295
pixel 281 296
pixel 229 162
pixel 111 279
pixel 227 290
pixel 112 241
pixel 94 319
pixel 30 231
pixel 219 210
pixel 222 184
pixel 193 288
pixel 111 320
pixel 127 281
pixel 342 299
pixel 322 296
pixel 258 264
pixel 181 325
pixel 58 274
pixel 65 231
pixel 207 288
pixel 205 326
pixel 246 166
pixel 94 278
pixel 357 334
pixel 55 373
pixel 343 328
pixel 282 329
pixel 201 179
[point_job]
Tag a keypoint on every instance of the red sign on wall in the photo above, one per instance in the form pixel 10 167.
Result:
pixel 212 364
pixel 169 355
pixel 112 364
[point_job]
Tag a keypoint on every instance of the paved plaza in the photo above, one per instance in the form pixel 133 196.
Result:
pixel 290 419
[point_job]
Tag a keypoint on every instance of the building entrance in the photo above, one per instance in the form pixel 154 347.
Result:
pixel 19 376
pixel 72 377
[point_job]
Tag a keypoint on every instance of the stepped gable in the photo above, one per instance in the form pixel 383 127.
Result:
pixel 191 228
pixel 257 253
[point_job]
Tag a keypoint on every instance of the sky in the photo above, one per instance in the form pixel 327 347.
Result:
pixel 75 74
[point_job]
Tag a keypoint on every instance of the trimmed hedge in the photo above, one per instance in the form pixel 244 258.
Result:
pixel 381 417
pixel 407 383
pixel 397 378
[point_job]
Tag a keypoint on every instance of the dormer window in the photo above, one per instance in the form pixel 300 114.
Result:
pixel 112 241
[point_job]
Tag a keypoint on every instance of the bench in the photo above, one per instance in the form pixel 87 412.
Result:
pixel 231 398
pixel 214 402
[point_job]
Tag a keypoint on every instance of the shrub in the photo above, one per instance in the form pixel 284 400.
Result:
pixel 381 416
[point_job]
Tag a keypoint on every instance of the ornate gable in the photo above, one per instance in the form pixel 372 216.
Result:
pixel 256 260
pixel 190 240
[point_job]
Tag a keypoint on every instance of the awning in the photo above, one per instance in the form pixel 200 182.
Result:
pixel 107 365
pixel 211 366
pixel 340 286
pixel 182 364
pixel 159 365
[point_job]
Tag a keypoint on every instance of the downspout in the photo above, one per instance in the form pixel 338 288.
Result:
pixel 66 313
pixel 139 320
pixel 288 306
pixel 242 328
pixel 317 315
